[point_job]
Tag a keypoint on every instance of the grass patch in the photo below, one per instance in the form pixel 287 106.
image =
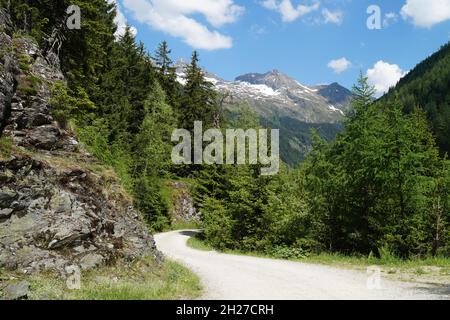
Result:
pixel 199 244
pixel 20 34
pixel 339 259
pixel 25 63
pixel 24 66
pixel 27 90
pixel 142 280
pixel 183 225
pixel 29 85
pixel 6 146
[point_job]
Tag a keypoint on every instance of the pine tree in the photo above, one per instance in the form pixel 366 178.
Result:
pixel 437 207
pixel 151 158
pixel 427 87
pixel 167 74
pixel 363 96
pixel 163 60
pixel 152 145
pixel 84 53
pixel 124 87
pixel 198 102
pixel 368 188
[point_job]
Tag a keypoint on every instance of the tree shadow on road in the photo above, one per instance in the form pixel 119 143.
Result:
pixel 190 233
pixel 440 291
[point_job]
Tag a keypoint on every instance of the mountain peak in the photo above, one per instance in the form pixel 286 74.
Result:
pixel 274 72
pixel 335 93
pixel 273 79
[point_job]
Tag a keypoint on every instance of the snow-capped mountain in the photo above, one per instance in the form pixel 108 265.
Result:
pixel 285 103
pixel 274 93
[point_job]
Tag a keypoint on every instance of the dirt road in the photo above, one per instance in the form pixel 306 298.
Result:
pixel 232 277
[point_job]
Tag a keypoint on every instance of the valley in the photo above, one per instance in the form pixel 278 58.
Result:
pixel 285 104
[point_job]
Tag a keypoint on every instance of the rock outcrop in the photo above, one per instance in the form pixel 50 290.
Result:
pixel 7 68
pixel 58 206
pixel 183 208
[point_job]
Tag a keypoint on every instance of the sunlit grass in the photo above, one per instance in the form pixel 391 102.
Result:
pixel 141 280
pixel 183 225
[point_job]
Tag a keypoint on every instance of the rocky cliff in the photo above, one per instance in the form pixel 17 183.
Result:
pixel 58 205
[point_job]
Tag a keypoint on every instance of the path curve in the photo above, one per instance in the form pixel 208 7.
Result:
pixel 232 277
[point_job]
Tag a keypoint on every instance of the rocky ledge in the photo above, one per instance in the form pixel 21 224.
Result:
pixel 58 206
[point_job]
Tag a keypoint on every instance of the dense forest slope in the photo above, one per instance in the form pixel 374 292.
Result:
pixel 380 188
pixel 285 104
pixel 428 86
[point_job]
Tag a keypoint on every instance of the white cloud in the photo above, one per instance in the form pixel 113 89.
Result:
pixel 383 76
pixel 174 17
pixel 426 13
pixel 121 20
pixel 389 19
pixel 257 29
pixel 339 65
pixel 335 17
pixel 288 12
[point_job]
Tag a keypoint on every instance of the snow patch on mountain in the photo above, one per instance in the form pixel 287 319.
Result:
pixel 334 109
pixel 214 81
pixel 244 88
pixel 276 94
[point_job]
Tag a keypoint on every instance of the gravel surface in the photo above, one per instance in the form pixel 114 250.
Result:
pixel 232 277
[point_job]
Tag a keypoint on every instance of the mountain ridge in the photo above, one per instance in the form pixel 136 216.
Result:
pixel 286 104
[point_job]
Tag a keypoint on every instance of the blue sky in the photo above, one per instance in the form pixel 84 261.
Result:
pixel 316 41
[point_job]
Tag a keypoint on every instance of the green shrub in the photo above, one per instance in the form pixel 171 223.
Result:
pixel 285 252
pixel 70 105
pixel 24 63
pixel 309 245
pixel 27 90
pixel 386 255
pixel 30 86
pixel 217 225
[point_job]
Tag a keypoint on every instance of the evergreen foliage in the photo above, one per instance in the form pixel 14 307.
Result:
pixel 427 87
pixel 370 187
pixel 381 187
pixel 199 100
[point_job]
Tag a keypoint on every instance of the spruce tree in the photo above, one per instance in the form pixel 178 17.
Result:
pixel 370 186
pixel 167 74
pixel 198 102
pixel 151 155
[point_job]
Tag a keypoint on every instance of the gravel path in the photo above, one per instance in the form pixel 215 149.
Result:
pixel 231 277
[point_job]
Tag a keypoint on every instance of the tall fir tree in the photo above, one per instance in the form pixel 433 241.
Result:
pixel 199 100
pixel 167 74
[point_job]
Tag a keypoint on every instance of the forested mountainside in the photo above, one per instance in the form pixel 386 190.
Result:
pixel 120 102
pixel 380 188
pixel 428 86
pixel 284 103
pixel 296 109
